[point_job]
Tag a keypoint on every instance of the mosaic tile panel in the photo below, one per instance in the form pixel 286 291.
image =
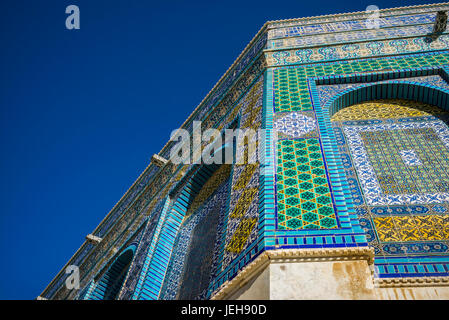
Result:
pixel 242 221
pixel 414 228
pixel 295 125
pixel 291 94
pixel 243 231
pixel 384 176
pixel 342 75
pixel 141 252
pixel 408 155
pixel 304 194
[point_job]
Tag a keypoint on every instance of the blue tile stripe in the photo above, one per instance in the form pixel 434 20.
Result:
pixel 160 258
pixel 146 270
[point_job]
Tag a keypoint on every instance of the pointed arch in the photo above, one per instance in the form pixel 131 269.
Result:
pixel 109 285
pixel 408 90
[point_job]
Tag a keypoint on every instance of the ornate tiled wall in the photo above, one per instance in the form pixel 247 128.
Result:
pixel 395 156
pixel 210 219
pixel 313 187
pixel 396 202
pixel 193 262
pixel 388 18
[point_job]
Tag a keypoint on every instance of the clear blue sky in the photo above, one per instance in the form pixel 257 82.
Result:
pixel 83 111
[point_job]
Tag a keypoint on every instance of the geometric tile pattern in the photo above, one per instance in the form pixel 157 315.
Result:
pixel 290 93
pixel 360 50
pixel 304 195
pixel 141 252
pixel 240 235
pixel 295 124
pixel 290 84
pixel 385 178
pixel 399 177
pixel 412 228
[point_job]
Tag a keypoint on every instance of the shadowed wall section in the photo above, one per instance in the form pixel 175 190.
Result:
pixel 109 285
pixel 194 259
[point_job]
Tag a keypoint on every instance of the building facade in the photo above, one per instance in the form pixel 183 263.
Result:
pixel 348 197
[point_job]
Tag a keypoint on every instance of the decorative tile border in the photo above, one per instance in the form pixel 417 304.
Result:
pixel 295 125
pixel 336 52
pixel 395 35
pixel 360 15
pixel 411 282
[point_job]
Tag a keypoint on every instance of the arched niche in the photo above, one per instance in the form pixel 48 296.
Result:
pixel 192 262
pixel 407 90
pixel 395 154
pixel 108 286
